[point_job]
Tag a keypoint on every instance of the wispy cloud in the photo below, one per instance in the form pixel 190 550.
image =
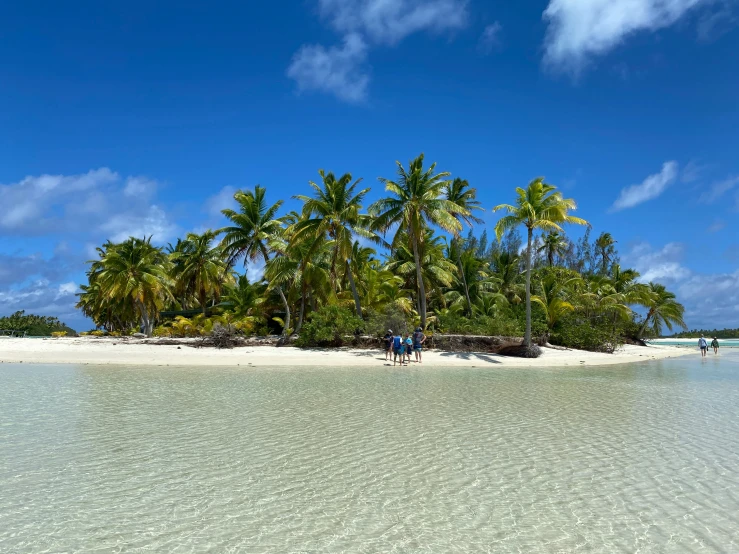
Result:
pixel 342 70
pixel 718 189
pixel 339 70
pixel 717 226
pixel 490 38
pixel 650 188
pixel 663 265
pixel 390 21
pixel 580 30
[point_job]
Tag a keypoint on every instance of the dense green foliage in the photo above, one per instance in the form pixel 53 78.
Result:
pixel 34 325
pixel 323 281
pixel 330 326
pixel 719 334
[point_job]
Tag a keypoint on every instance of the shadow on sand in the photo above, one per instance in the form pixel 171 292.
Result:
pixel 471 356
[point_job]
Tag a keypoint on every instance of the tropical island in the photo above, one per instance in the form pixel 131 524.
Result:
pixel 339 273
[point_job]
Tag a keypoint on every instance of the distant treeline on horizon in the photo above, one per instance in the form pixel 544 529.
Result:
pixel 695 333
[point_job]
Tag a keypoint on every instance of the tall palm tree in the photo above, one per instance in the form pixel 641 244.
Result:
pixel 663 309
pixel 199 267
pixel 604 246
pixel 539 206
pixel 417 201
pixel 459 193
pixel 136 271
pixel 553 244
pixel 437 272
pixel 333 213
pixel 254 229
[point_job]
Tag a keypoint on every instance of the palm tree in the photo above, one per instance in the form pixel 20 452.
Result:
pixel 252 233
pixel 333 213
pixel 604 245
pixel 199 268
pixel 460 194
pixel 437 272
pixel 506 274
pixel 417 201
pixel 554 244
pixel 663 309
pixel 552 299
pixel 539 206
pixel 135 271
pixel 243 298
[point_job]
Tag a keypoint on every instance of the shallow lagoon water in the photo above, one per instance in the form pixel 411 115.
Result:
pixel 633 458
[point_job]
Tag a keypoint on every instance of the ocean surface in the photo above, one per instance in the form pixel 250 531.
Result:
pixel 634 458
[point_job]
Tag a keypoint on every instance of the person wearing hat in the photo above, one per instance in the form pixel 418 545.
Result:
pixel 388 338
pixel 418 339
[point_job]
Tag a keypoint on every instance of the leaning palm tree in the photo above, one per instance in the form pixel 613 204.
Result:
pixel 254 228
pixel 539 206
pixel 553 244
pixel 417 201
pixel 663 309
pixel 200 268
pixel 333 214
pixel 135 271
pixel 462 195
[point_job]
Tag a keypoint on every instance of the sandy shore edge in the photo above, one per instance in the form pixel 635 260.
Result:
pixel 107 351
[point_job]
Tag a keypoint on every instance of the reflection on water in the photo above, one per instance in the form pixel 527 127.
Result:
pixel 639 457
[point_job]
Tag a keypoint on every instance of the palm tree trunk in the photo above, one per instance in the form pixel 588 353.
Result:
pixel 419 278
pixel 644 325
pixel 527 336
pixel 304 292
pixel 464 281
pixel 357 304
pixel 284 302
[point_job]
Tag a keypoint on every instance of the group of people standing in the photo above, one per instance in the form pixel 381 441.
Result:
pixel 703 343
pixel 399 346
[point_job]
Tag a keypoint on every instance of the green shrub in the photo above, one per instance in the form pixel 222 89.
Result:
pixel 378 323
pixel 584 335
pixel 329 326
pixel 97 333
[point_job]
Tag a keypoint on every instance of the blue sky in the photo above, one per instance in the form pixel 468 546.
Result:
pixel 132 118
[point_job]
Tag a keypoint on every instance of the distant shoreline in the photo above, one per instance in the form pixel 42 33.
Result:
pixel 121 352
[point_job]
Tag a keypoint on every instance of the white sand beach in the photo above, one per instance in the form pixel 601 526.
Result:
pixel 131 352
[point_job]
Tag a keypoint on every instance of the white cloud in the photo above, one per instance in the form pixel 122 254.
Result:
pixel 342 70
pixel 650 188
pixel 490 38
pixel 152 221
pixel 223 199
pixel 658 265
pixel 579 30
pixel 28 201
pixel 339 70
pixel 712 301
pixel 717 190
pixel 390 21
pixel 140 187
pixel 40 297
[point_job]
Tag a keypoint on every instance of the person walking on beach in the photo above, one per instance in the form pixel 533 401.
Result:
pixel 397 349
pixel 704 346
pixel 388 338
pixel 714 344
pixel 418 339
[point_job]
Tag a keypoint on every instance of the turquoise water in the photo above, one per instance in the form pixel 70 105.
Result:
pixel 637 458
pixel 723 343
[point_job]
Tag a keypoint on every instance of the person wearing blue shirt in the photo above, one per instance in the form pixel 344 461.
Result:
pixel 397 349
pixel 704 346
